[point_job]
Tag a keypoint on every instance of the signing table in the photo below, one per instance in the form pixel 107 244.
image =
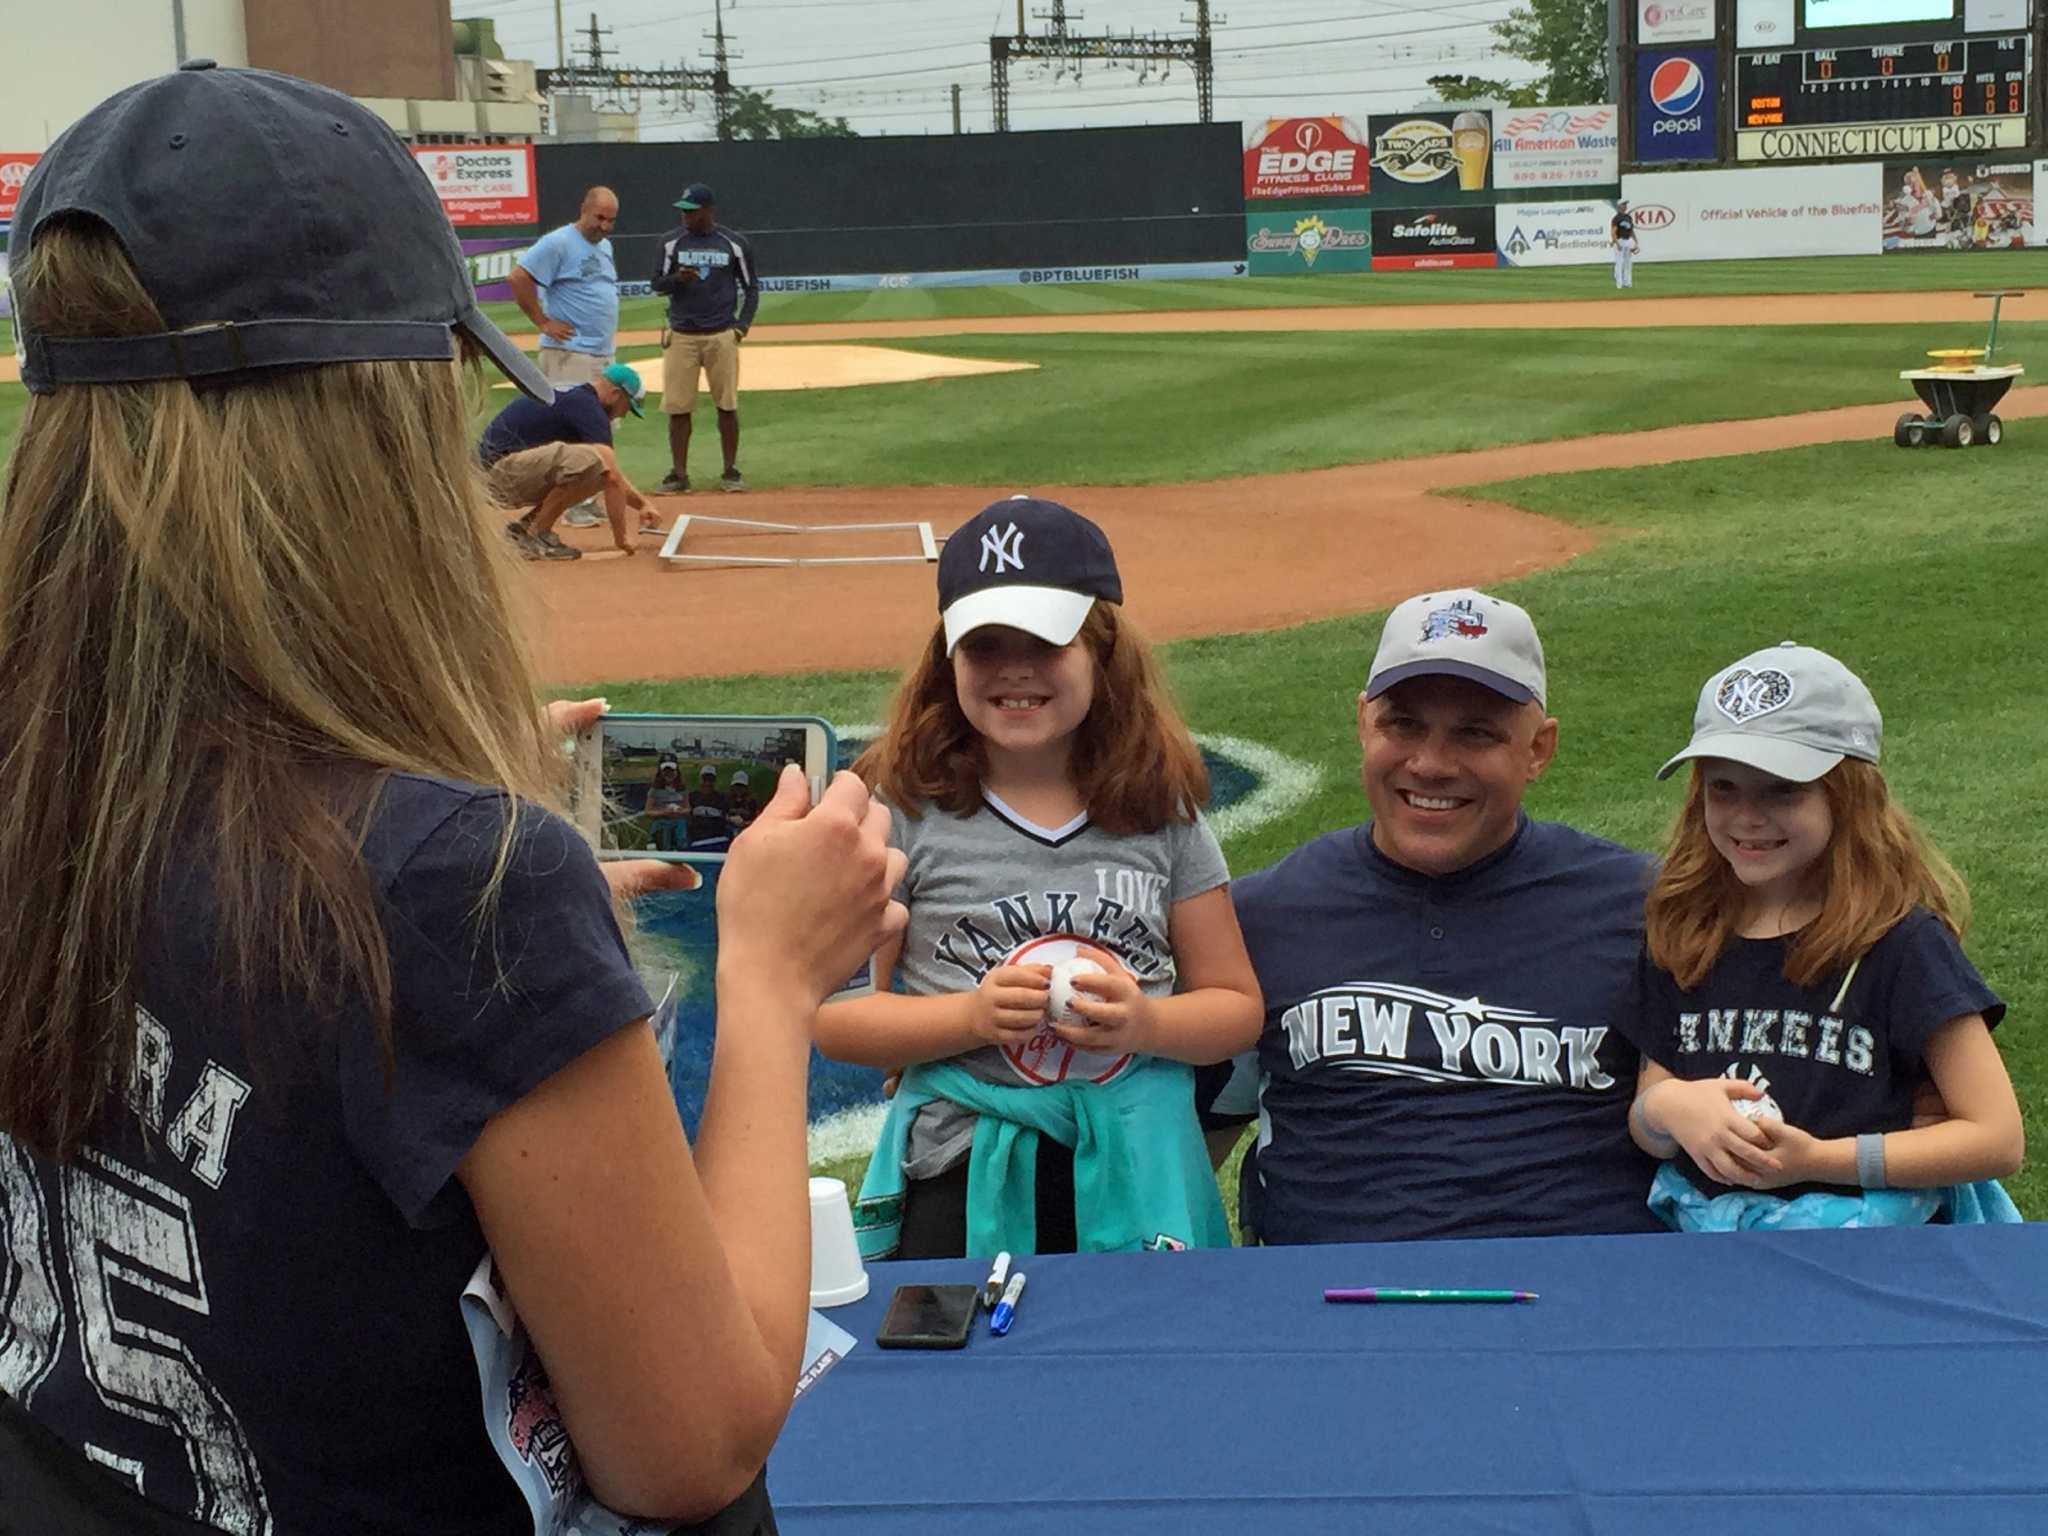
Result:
pixel 1729 1385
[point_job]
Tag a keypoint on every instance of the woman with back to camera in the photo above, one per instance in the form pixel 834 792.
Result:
pixel 287 1043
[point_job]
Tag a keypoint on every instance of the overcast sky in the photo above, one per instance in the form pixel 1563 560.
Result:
pixel 887 65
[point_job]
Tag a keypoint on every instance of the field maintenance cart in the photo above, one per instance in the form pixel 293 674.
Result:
pixel 1959 390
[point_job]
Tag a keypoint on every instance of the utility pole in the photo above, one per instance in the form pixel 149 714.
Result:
pixel 1058 45
pixel 601 76
pixel 956 109
pixel 561 47
pixel 721 93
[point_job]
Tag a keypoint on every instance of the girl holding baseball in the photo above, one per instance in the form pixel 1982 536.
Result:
pixel 1803 978
pixel 1072 948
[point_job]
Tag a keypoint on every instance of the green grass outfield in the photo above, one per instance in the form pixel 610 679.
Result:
pixel 1111 410
pixel 1146 409
pixel 1923 570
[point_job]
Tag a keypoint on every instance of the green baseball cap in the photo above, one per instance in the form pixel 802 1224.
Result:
pixel 628 378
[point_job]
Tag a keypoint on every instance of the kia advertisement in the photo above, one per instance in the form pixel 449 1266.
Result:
pixel 1305 157
pixel 1420 158
pixel 1811 210
pixel 1432 239
pixel 482 183
pixel 13 172
pixel 1675 101
pixel 1763 23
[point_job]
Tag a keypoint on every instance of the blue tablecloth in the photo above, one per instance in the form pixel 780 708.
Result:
pixel 1730 1385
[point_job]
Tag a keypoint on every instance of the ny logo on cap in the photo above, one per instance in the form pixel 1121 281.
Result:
pixel 1743 694
pixel 1005 546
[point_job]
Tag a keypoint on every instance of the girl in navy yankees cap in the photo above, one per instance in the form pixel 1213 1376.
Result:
pixel 318 1035
pixel 1072 949
pixel 1803 979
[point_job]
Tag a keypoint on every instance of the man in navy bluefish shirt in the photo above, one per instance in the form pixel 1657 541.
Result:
pixel 1439 1057
pixel 546 458
pixel 707 274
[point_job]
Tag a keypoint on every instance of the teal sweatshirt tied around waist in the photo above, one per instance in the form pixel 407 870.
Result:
pixel 1141 1172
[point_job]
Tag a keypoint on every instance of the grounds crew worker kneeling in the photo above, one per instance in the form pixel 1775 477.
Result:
pixel 707 274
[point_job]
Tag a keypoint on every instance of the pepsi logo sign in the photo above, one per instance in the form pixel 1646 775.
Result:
pixel 1653 216
pixel 1677 87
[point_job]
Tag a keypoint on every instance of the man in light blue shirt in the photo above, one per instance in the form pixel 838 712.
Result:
pixel 569 287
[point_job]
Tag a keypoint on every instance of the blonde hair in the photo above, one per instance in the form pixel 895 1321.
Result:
pixel 1877 867
pixel 258 600
pixel 1134 763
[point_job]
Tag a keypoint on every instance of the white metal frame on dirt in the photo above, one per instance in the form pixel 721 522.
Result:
pixel 928 549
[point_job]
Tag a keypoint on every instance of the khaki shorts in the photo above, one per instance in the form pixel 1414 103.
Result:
pixel 716 353
pixel 558 365
pixel 520 481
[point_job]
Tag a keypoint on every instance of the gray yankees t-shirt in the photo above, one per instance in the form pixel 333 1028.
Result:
pixel 983 888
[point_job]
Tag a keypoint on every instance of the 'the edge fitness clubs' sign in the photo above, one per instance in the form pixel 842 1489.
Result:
pixel 1305 157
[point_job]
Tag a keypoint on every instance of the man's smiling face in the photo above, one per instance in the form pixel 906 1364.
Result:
pixel 1444 764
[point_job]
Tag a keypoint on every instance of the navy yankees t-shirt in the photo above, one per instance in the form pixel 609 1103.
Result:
pixel 577 416
pixel 1838 1062
pixel 1439 1058
pixel 243 1299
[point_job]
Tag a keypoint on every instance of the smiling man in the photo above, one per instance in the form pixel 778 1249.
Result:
pixel 1438 1057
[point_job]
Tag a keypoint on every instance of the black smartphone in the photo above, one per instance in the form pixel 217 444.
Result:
pixel 928 1317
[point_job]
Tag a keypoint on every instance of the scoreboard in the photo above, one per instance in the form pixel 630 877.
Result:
pixel 1957 95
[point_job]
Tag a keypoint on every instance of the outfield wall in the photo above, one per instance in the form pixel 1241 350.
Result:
pixel 1105 197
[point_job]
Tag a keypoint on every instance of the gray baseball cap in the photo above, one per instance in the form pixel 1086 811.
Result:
pixel 1789 710
pixel 275 223
pixel 1460 633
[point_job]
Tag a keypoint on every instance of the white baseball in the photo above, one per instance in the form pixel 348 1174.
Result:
pixel 1061 1009
pixel 1765 1108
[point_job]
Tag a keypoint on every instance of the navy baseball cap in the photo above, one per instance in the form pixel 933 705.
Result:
pixel 1028 564
pixel 275 223
pixel 697 195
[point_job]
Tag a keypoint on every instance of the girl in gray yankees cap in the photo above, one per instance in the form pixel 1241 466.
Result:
pixel 1802 979
pixel 318 1036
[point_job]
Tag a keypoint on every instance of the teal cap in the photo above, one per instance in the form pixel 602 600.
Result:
pixel 628 378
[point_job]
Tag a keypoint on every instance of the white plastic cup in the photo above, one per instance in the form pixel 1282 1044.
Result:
pixel 837 1275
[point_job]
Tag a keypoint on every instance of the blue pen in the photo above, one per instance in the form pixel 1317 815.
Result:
pixel 1006 1310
